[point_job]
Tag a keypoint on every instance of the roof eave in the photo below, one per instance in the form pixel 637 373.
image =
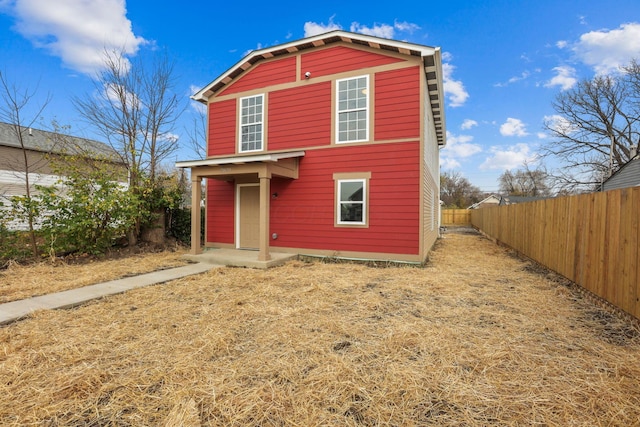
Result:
pixel 314 41
pixel 241 159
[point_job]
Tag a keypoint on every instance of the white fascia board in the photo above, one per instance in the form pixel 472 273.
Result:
pixel 274 157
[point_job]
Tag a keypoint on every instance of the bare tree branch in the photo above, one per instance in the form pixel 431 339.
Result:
pixel 597 126
pixel 198 135
pixel 525 182
pixel 457 191
pixel 12 110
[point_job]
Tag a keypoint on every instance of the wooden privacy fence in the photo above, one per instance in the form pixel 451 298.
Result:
pixel 455 217
pixel 591 239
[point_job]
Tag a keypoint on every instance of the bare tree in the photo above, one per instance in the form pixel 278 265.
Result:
pixel 198 133
pixel 162 108
pixel 457 192
pixel 13 110
pixel 135 108
pixel 596 125
pixel 525 182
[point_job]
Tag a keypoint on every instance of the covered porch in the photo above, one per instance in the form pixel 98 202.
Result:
pixel 241 169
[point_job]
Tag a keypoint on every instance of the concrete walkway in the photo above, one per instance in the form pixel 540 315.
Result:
pixel 15 310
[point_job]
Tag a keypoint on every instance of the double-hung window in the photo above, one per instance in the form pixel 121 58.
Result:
pixel 351 203
pixel 352 196
pixel 353 109
pixel 251 123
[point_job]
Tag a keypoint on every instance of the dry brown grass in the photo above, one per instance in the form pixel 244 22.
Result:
pixel 25 281
pixel 476 338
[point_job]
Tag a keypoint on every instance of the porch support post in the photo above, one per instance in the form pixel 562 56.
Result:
pixel 196 191
pixel 265 200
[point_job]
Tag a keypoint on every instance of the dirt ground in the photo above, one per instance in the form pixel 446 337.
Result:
pixel 477 337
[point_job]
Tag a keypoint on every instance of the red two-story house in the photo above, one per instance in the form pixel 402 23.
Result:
pixel 326 146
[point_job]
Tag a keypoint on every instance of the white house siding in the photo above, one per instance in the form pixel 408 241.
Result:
pixel 430 181
pixel 12 184
pixel 628 176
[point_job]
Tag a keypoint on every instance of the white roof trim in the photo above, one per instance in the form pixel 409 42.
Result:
pixel 317 40
pixel 274 157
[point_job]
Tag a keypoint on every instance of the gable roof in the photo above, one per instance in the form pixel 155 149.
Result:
pixel 512 200
pixel 51 142
pixel 628 175
pixel 491 200
pixel 431 59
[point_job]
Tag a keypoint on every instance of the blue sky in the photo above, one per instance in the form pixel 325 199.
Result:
pixel 504 61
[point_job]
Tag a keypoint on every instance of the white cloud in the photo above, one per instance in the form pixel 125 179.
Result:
pixel 170 137
pixel 513 127
pixel 314 28
pixel 193 89
pixel 77 31
pixel 197 106
pixel 525 75
pixel 509 158
pixel 564 78
pixel 558 124
pixel 541 135
pixel 406 26
pixel 561 44
pixel 119 95
pixel 453 89
pixel 449 163
pixel 458 147
pixel 468 124
pixel 607 50
pixel 385 31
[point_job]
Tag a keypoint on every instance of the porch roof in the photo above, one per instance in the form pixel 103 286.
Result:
pixel 240 160
pixel 282 164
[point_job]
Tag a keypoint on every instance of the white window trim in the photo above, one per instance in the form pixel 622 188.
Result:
pixel 340 202
pixel 240 150
pixel 337 106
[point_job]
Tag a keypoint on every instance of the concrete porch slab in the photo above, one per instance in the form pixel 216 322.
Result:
pixel 239 258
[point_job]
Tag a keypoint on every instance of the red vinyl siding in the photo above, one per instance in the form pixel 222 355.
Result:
pixel 397 101
pixel 340 59
pixel 265 74
pixel 222 128
pixel 220 211
pixel 300 117
pixel 303 214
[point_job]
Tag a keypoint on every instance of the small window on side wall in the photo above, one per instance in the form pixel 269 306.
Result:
pixel 352 199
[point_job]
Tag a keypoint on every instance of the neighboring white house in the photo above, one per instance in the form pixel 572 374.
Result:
pixel 627 176
pixel 492 200
pixel 37 145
